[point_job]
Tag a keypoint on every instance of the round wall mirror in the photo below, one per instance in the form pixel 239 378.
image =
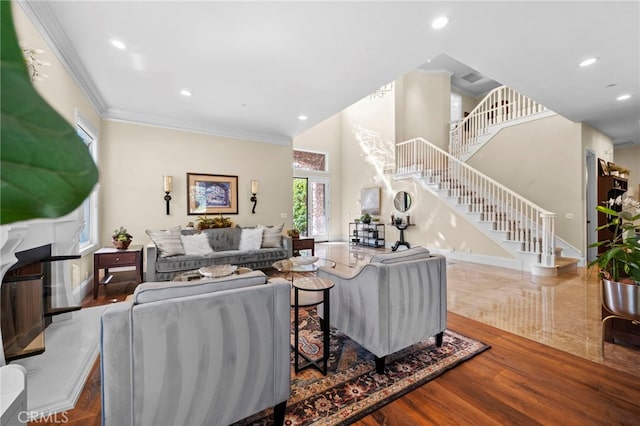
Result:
pixel 402 201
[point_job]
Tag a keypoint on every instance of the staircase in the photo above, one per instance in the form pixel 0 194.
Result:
pixel 522 228
pixel 501 108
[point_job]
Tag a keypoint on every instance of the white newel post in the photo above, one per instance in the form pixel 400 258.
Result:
pixel 548 239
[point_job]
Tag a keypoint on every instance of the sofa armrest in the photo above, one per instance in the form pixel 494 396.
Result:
pixel 151 257
pixel 115 363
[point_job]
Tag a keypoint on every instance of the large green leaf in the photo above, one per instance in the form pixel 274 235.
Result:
pixel 45 169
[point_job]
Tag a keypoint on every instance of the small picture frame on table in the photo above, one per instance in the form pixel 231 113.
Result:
pixel 603 168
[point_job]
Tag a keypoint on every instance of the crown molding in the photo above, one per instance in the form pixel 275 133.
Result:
pixel 39 12
pixel 193 127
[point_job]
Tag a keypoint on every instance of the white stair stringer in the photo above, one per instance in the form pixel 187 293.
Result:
pixel 486 221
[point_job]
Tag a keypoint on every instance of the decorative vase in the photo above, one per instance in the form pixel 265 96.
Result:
pixel 121 245
pixel 622 299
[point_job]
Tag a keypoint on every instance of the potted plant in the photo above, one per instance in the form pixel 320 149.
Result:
pixel 293 233
pixel 121 238
pixel 619 263
pixel 366 218
pixel 205 222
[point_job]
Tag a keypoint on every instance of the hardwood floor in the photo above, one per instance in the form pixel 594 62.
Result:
pixel 517 381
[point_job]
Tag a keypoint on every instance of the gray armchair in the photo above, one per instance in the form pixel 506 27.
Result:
pixel 395 301
pixel 199 352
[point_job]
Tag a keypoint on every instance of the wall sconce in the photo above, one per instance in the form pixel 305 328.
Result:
pixel 167 189
pixel 254 192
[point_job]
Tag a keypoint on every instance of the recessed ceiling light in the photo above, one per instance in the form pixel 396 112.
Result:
pixel 185 92
pixel 440 22
pixel 623 97
pixel 118 44
pixel 587 62
pixel 302 117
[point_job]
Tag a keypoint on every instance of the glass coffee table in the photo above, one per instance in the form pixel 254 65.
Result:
pixel 216 271
pixel 302 264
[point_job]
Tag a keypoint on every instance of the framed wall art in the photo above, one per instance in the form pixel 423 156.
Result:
pixel 212 194
pixel 370 201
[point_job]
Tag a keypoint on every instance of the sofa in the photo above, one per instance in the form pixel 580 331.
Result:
pixel 394 301
pixel 174 250
pixel 209 351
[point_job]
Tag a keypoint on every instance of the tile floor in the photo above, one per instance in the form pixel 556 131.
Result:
pixel 562 312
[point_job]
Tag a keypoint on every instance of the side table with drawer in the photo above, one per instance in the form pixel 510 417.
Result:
pixel 108 257
pixel 303 244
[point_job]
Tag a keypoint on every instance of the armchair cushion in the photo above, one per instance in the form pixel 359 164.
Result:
pixel 153 292
pixel 415 253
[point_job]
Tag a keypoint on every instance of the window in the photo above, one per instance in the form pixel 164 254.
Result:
pixel 456 107
pixel 88 210
pixel 311 161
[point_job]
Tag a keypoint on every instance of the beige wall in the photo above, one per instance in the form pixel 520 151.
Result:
pixel 58 88
pixel 425 107
pixel 326 137
pixel 468 102
pixel 61 92
pixel 368 147
pixel 629 157
pixel 542 161
pixel 598 142
pixel 133 159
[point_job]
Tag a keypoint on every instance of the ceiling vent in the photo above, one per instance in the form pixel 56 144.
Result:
pixel 472 77
pixel 623 143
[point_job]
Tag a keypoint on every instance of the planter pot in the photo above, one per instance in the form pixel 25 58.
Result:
pixel 622 299
pixel 121 245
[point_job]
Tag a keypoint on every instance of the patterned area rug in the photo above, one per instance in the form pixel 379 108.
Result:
pixel 352 389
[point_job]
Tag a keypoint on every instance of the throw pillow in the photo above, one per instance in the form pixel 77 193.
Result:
pixel 167 240
pixel 196 245
pixel 250 239
pixel 272 236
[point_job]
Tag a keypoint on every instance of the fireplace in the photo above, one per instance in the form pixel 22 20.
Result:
pixel 25 296
pixel 35 281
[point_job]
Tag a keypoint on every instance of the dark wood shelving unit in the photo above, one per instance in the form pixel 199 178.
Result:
pixel 616 330
pixel 366 234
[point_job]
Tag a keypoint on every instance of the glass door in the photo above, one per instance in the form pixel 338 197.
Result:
pixel 311 207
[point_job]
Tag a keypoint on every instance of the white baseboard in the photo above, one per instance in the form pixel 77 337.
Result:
pixel 81 291
pixel 500 262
